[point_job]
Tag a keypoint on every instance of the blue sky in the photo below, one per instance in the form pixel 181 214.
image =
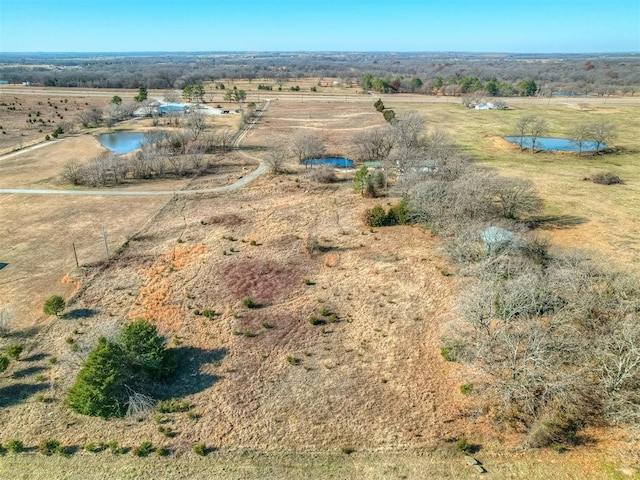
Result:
pixel 542 26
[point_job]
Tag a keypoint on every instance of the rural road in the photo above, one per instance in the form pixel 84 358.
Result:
pixel 243 181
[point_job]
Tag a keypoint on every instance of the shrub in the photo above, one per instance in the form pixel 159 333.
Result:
pixel 199 449
pixel 173 405
pixel 114 447
pixel 554 428
pixel 463 445
pixel 49 447
pixel 375 217
pixel 451 350
pixel 249 303
pixel 143 450
pixel 167 431
pixel 398 214
pixel 466 388
pixel 4 363
pixel 14 446
pixel 99 387
pixel 606 178
pixel 363 183
pixel 536 248
pixel 94 447
pixel 347 450
pixel 323 174
pixel 145 348
pixel 293 360
pixel 209 313
pixel 312 245
pixel 162 452
pixel 317 321
pixel 14 351
pixel 54 305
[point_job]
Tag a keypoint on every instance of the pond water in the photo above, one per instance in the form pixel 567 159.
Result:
pixel 556 144
pixel 122 142
pixel 339 162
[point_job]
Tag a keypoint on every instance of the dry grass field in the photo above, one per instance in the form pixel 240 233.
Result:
pixel 610 215
pixel 363 393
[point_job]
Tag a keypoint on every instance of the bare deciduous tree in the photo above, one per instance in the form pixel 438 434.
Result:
pixel 223 138
pixel 195 153
pixel 579 136
pixel 307 145
pixel 90 117
pixel 410 129
pixel 171 96
pixel 97 170
pixel 73 171
pixel 195 123
pixel 537 129
pixel 601 133
pixel 530 129
pixel 517 197
pixel 276 157
pixel 375 145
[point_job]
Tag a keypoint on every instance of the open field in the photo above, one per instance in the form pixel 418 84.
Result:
pixel 246 464
pixel 611 215
pixel 278 396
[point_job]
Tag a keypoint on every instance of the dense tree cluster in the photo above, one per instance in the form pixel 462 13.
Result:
pixel 441 73
pixel 193 92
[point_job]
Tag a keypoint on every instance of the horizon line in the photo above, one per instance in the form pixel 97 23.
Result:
pixel 200 52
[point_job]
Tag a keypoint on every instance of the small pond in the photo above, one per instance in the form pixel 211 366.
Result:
pixel 339 162
pixel 556 144
pixel 121 142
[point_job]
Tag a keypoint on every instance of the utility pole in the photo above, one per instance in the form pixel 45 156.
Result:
pixel 106 247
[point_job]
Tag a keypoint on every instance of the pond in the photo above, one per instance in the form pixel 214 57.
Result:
pixel 122 142
pixel 339 162
pixel 555 144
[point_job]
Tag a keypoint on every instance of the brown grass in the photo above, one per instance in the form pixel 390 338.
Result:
pixel 373 381
pixel 262 281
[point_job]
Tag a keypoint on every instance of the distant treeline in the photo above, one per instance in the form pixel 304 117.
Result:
pixel 430 73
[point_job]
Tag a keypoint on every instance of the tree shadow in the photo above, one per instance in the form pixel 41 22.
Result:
pixel 473 448
pixel 549 222
pixel 188 378
pixel 79 313
pixel 69 450
pixel 27 372
pixel 23 333
pixel 36 357
pixel 14 394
